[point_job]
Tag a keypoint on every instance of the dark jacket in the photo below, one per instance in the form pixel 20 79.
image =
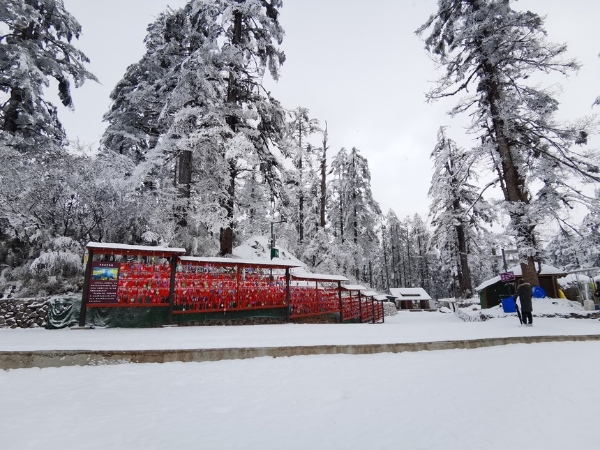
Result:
pixel 524 294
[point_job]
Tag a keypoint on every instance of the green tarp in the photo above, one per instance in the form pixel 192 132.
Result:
pixel 64 312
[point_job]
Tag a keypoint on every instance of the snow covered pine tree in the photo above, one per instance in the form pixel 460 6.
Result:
pixel 489 47
pixel 354 212
pixel 35 46
pixel 203 71
pixel 456 207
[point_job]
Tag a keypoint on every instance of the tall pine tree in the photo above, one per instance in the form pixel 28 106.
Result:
pixel 490 49
pixel 198 92
pixel 456 208
pixel 37 46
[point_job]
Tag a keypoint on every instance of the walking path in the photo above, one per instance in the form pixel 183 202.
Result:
pixel 406 332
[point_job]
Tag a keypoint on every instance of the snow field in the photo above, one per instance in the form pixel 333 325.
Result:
pixel 515 396
pixel 404 327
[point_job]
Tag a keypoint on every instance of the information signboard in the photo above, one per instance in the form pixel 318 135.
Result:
pixel 104 282
pixel 507 276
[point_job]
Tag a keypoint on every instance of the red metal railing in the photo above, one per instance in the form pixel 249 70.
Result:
pixel 366 310
pixel 127 276
pixel 313 299
pixel 202 287
pixel 350 305
pixel 141 285
pixel 378 316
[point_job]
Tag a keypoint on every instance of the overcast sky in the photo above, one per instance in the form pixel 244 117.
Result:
pixel 353 63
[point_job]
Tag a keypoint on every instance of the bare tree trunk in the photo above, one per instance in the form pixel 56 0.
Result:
pixel 514 187
pixel 465 283
pixel 226 234
pixel 184 186
pixel 324 177
pixel 12 111
pixel 300 187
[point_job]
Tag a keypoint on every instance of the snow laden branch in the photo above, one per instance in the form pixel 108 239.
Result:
pixel 491 50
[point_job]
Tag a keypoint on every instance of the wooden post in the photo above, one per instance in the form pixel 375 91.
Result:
pixel 86 287
pixel 341 303
pixel 317 295
pixel 237 287
pixel 360 307
pixel 287 294
pixel 185 182
pixel 373 307
pixel 172 288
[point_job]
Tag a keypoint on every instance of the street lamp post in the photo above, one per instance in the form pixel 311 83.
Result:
pixel 273 249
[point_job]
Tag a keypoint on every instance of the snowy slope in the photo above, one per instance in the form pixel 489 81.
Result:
pixel 258 248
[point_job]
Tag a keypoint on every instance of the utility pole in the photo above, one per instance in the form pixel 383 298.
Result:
pixel 274 251
pixel 387 275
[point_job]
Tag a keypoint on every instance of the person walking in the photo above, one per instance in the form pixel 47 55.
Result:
pixel 524 295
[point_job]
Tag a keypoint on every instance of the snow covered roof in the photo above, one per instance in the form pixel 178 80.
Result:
pixel 574 278
pixel 302 283
pixel 276 263
pixel 380 297
pixel 134 248
pixel 369 293
pixel 301 274
pixel 259 247
pixel 410 293
pixel 354 287
pixel 546 270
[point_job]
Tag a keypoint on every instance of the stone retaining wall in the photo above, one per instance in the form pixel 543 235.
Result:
pixel 23 313
pixel 61 358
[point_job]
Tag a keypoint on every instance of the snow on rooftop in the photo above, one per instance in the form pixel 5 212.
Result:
pixel 140 248
pixel 243 262
pixel 574 278
pixel 410 293
pixel 259 247
pixel 369 293
pixel 301 274
pixel 354 287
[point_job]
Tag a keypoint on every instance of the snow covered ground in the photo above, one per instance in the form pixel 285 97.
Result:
pixel 541 396
pixel 516 396
pixel 404 327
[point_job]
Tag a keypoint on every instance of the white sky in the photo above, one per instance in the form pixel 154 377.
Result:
pixel 357 65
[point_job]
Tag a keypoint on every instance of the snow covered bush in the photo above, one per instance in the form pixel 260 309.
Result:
pixel 57 269
pixel 389 309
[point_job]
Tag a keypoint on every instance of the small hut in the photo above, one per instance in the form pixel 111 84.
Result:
pixel 411 298
pixel 492 290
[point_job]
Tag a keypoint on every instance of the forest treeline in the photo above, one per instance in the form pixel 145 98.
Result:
pixel 198 154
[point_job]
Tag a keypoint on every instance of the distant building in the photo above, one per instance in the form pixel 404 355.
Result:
pixel 491 291
pixel 411 298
